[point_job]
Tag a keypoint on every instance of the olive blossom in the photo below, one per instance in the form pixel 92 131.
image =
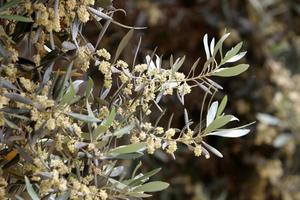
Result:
pixel 64 134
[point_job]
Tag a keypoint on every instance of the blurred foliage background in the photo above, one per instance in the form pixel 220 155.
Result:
pixel 265 164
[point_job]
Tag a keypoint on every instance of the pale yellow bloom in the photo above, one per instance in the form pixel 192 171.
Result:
pixel 170 133
pixel 198 150
pixel 51 124
pixel 172 147
pixel 103 195
pixel 103 53
pixel 83 14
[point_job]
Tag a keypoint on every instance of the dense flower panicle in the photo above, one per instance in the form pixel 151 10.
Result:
pixel 64 128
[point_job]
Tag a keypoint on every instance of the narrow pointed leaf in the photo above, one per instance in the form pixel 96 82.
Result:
pixel 212 149
pixel 123 44
pixel 231 133
pixel 30 190
pixel 231 71
pixel 128 148
pixel 152 187
pixel 211 114
pixel 84 118
pixel 222 105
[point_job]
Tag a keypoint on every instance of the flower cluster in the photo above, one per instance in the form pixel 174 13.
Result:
pixel 61 139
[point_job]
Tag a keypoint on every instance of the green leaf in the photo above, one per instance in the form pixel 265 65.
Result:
pixel 220 44
pixel 131 148
pixel 107 122
pixel 67 76
pixel 102 128
pixel 222 105
pixel 69 96
pixel 89 87
pixel 144 178
pixel 232 52
pixel 11 124
pixel 231 71
pixel 9 4
pixel 178 64
pixel 119 133
pixel 123 44
pixel 84 118
pixel 152 187
pixel 16 18
pixel 30 190
pixel 139 194
pixel 218 123
pixel 128 156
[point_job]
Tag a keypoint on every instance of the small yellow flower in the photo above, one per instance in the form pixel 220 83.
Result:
pixel 103 194
pixel 172 147
pixel 83 14
pixel 51 124
pixel 170 133
pixel 198 150
pixel 104 54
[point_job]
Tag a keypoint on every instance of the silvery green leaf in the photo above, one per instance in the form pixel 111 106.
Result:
pixel 105 93
pixel 123 44
pixel 89 87
pixel 214 84
pixel 79 145
pixel 150 62
pixel 11 124
pixel 117 184
pixel 99 13
pixel 203 87
pixel 16 18
pixel 206 153
pixel 141 178
pixel 131 148
pixel 212 46
pixel 222 105
pixel 232 52
pixel 231 71
pixel 84 118
pixel 9 4
pixel 68 96
pixel 158 62
pixel 127 156
pixel 6 84
pixel 46 77
pixel 178 63
pixel 231 133
pixel 18 98
pixel 139 194
pixel 117 171
pixel 282 139
pixel 236 57
pixel 220 43
pixel 126 130
pixel 206 48
pixel 68 45
pixel 30 190
pixel 90 47
pixel 219 122
pixel 268 119
pixel 64 83
pixel 212 149
pixel 76 85
pixel 74 31
pixel 211 114
pixel 152 187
